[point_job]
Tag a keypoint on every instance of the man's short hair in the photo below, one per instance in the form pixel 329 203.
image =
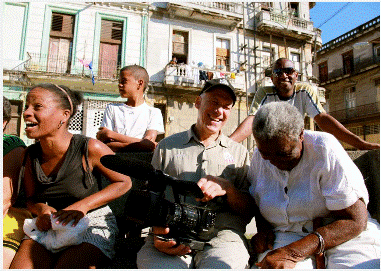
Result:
pixel 139 73
pixel 7 110
pixel 277 119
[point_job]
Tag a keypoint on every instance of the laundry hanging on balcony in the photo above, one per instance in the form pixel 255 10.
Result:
pixel 90 66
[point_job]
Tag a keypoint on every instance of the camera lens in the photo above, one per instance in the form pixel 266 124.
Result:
pixel 184 215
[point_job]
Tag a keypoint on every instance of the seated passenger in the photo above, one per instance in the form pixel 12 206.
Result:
pixel 60 183
pixel 299 178
pixel 133 125
pixel 219 166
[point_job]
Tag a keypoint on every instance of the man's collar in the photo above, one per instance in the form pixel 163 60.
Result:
pixel 222 139
pixel 285 99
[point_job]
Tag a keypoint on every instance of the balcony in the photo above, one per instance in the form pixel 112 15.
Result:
pixel 184 76
pixel 360 64
pixel 358 112
pixel 226 14
pixel 279 22
pixel 63 65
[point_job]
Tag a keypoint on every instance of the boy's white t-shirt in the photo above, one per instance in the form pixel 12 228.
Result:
pixel 132 121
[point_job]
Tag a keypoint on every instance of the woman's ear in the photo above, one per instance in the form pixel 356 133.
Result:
pixel 66 115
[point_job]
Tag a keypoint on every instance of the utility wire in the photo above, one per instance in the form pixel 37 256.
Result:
pixel 335 14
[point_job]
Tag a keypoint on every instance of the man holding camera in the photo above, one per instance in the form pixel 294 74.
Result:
pixel 219 167
pixel 305 98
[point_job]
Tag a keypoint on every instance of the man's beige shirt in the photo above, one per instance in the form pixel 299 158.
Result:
pixel 184 157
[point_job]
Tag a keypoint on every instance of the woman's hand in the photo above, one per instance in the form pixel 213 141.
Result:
pixel 262 241
pixel 168 247
pixel 283 257
pixel 43 221
pixel 65 216
pixel 74 212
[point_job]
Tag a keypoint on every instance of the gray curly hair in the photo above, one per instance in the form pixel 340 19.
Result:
pixel 277 119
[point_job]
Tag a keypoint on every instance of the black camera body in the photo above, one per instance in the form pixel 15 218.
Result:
pixel 190 225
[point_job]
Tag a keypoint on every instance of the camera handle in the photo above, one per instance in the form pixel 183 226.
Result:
pixel 175 195
pixel 193 244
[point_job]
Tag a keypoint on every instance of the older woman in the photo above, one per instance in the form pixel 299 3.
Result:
pixel 59 181
pixel 299 177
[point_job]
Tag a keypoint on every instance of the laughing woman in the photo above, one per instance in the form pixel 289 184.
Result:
pixel 59 181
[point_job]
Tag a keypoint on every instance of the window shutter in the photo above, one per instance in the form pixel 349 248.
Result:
pixel 111 32
pixel 62 25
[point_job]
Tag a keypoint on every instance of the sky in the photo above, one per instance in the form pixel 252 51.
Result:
pixel 353 15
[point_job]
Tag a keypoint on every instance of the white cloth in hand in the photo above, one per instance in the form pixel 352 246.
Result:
pixel 58 237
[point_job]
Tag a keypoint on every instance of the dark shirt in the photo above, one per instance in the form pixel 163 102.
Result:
pixel 72 182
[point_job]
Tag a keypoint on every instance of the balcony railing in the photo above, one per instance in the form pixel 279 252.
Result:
pixel 104 69
pixel 356 112
pixel 225 6
pixel 185 75
pixel 359 64
pixel 284 22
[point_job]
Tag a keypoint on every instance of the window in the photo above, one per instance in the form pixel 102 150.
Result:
pixel 348 62
pixel 296 59
pixel 294 7
pixel 223 54
pixel 110 48
pixel 266 5
pixel 267 56
pixel 323 72
pixel 376 52
pixel 180 46
pixel 60 43
pixel 350 98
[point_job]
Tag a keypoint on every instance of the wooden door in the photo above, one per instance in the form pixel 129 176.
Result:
pixel 108 60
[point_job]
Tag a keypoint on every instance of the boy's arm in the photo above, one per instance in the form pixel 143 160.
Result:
pixel 118 142
pixel 330 125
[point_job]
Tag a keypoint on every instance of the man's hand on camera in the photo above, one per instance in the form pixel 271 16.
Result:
pixel 168 247
pixel 213 187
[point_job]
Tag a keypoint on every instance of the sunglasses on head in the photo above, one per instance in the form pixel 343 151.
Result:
pixel 279 72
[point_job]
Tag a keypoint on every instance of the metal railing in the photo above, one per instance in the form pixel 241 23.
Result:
pixel 225 6
pixel 356 112
pixel 105 69
pixel 283 19
pixel 359 64
pixel 351 33
pixel 194 76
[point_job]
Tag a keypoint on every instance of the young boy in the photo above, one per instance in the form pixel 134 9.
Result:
pixel 133 125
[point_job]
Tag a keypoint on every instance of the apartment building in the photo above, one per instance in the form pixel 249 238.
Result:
pixel 68 44
pixel 348 67
pixel 59 42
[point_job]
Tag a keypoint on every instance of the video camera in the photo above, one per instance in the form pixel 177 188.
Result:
pixel 189 225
